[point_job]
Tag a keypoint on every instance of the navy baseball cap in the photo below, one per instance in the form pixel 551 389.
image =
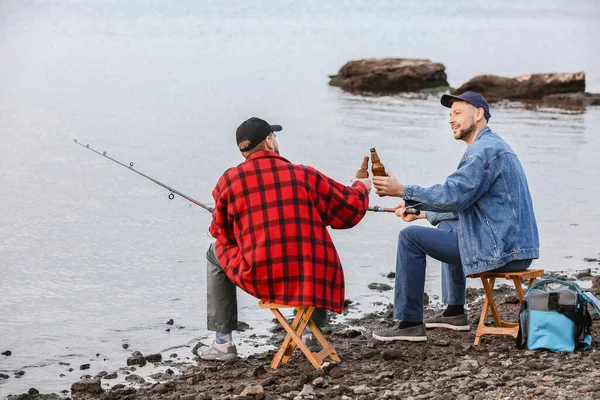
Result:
pixel 254 130
pixel 473 98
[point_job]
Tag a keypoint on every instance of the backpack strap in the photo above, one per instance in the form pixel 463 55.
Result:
pixel 579 319
pixel 591 298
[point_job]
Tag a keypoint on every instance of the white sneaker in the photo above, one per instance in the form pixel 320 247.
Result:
pixel 220 352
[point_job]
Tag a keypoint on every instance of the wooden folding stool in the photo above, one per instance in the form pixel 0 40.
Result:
pixel 294 336
pixel 488 279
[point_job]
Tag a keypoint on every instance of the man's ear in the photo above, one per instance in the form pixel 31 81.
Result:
pixel 269 143
pixel 479 115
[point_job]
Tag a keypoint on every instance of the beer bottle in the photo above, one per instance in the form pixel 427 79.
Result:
pixel 363 172
pixel 377 167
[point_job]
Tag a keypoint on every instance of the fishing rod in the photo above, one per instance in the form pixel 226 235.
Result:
pixel 409 210
pixel 130 167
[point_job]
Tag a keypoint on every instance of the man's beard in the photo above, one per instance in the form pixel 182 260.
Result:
pixel 466 132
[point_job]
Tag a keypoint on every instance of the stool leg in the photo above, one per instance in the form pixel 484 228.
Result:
pixel 328 349
pixel 519 288
pixel 489 294
pixel 482 318
pixel 277 359
pixel 305 313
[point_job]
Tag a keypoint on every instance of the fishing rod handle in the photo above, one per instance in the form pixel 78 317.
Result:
pixel 413 211
pixel 392 210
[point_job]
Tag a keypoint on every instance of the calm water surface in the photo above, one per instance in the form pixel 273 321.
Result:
pixel 93 256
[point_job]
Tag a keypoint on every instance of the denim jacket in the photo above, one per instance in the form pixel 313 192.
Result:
pixel 490 195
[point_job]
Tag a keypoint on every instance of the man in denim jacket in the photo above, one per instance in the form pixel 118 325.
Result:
pixel 484 216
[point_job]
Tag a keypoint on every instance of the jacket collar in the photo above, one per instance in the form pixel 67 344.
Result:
pixel 485 130
pixel 265 154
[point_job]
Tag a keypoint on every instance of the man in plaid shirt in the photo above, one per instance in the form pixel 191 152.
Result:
pixel 270 223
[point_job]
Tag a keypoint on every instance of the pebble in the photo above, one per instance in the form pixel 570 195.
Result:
pixel 379 286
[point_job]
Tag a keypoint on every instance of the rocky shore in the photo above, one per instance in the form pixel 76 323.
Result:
pixel 447 366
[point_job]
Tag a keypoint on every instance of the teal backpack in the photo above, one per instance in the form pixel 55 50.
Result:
pixel 554 316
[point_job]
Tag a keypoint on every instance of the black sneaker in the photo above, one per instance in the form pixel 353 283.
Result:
pixel 410 334
pixel 456 323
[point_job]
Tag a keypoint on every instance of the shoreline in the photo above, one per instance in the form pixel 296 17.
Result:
pixel 446 366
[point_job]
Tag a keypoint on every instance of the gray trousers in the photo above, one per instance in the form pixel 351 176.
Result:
pixel 221 309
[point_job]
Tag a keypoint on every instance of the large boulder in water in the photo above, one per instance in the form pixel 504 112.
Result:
pixel 390 75
pixel 525 87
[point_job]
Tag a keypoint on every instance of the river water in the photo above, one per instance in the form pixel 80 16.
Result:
pixel 93 256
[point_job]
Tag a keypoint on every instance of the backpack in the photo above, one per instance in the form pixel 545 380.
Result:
pixel 554 316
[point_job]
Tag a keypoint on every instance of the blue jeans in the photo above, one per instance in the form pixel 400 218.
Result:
pixel 416 242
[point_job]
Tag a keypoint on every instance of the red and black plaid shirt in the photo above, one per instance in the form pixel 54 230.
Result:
pixel 270 222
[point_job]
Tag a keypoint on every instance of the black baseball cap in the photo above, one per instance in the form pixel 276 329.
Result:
pixel 255 130
pixel 474 98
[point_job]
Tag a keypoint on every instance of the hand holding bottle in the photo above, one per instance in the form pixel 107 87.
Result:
pixel 388 186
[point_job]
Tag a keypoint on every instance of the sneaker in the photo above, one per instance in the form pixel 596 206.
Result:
pixel 311 342
pixel 410 334
pixel 456 323
pixel 219 352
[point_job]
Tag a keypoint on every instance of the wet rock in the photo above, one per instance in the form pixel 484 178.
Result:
pixel 350 333
pixel 391 275
pixel 4 377
pixel 112 375
pixel 533 86
pixel 379 286
pixel 591 259
pixel 125 346
pixel 260 370
pixel 87 386
pixel 7 353
pixel 19 374
pixel 586 273
pixel 336 373
pixel 320 382
pixel 307 392
pixel 118 386
pixel 154 358
pixel 84 367
pixel 162 376
pixel 33 391
pixel 163 388
pixel 170 322
pixel 133 378
pixel 568 101
pixel 253 390
pixel 511 300
pixel 391 354
pixel 425 300
pixel 141 361
pixel 242 326
pixel 27 396
pixel 268 381
pixel 390 75
pixel 385 375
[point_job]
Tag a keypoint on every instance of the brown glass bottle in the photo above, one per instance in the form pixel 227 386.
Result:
pixel 363 172
pixel 377 167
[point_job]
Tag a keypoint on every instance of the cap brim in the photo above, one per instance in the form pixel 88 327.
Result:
pixel 447 99
pixel 276 128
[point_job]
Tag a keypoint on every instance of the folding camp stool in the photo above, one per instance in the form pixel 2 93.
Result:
pixel 294 336
pixel 488 279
